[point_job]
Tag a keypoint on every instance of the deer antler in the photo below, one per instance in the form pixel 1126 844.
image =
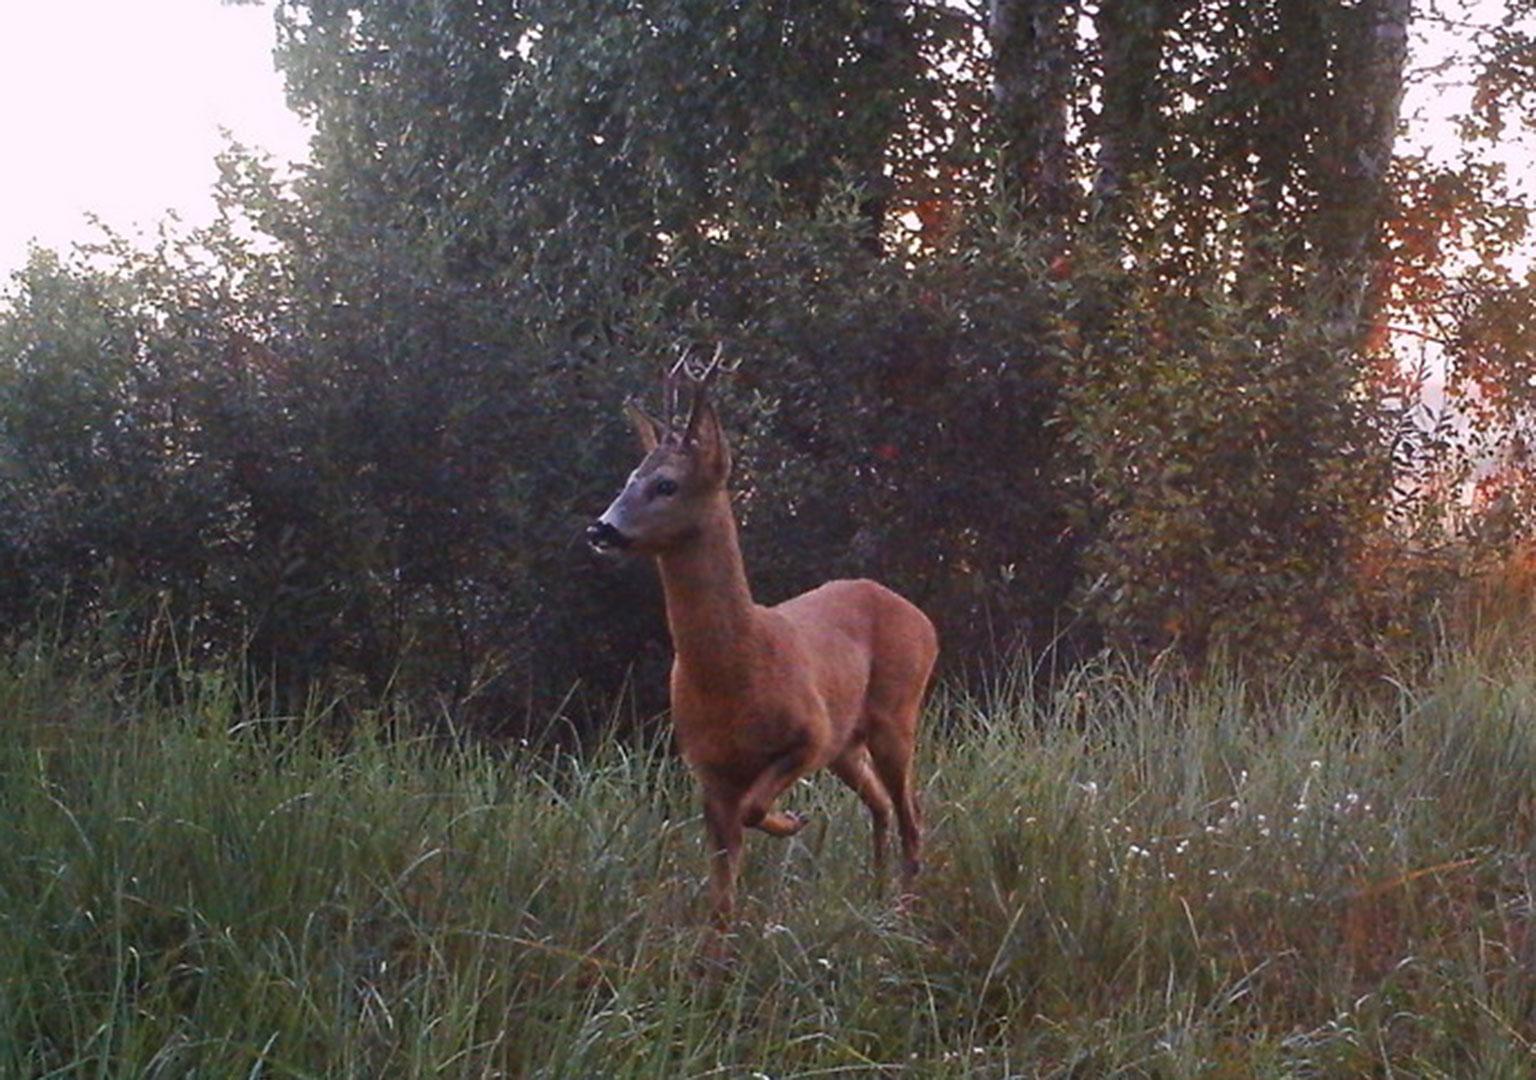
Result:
pixel 702 379
pixel 669 383
pixel 701 376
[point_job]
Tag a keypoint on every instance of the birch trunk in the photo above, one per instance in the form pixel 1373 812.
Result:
pixel 1033 42
pixel 1354 206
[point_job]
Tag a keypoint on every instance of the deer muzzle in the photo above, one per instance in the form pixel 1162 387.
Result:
pixel 603 538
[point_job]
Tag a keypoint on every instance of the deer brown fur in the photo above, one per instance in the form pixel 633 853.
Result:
pixel 762 696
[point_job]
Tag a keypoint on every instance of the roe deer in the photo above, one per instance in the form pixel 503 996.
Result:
pixel 762 696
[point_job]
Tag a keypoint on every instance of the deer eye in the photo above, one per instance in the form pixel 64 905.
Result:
pixel 665 487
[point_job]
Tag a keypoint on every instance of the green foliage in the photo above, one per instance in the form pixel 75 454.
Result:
pixel 1235 468
pixel 105 483
pixel 1135 873
pixel 354 429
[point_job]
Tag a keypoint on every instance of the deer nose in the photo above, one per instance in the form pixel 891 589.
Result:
pixel 602 537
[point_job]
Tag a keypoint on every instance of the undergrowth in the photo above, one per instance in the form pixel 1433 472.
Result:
pixel 1133 875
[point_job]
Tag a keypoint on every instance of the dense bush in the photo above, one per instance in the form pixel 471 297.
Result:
pixel 352 431
pixel 408 513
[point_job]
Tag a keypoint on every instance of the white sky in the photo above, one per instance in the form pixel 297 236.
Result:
pixel 115 106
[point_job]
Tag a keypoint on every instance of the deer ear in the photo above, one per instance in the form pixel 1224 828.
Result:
pixel 649 429
pixel 706 438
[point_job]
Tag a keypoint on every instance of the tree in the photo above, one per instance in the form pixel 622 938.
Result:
pixel 1054 316
pixel 1034 48
pixel 1132 38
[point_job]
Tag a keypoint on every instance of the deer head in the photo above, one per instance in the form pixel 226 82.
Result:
pixel 684 470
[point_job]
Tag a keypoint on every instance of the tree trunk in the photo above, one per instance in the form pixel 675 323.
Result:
pixel 1033 43
pixel 1131 36
pixel 1367 106
pixel 1286 68
pixel 889 49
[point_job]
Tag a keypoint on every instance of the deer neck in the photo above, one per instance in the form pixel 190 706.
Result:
pixel 709 604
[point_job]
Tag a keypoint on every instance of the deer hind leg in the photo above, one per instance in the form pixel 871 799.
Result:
pixel 891 746
pixel 856 769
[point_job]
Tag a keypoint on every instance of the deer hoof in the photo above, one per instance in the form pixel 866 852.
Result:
pixel 783 823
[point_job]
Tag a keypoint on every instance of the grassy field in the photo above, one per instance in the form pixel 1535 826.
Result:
pixel 1135 877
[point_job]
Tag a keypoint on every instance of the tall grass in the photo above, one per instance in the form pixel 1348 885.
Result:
pixel 1135 875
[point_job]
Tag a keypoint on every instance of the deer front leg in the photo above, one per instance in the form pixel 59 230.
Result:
pixel 772 782
pixel 722 822
pixel 728 809
pixel 782 823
